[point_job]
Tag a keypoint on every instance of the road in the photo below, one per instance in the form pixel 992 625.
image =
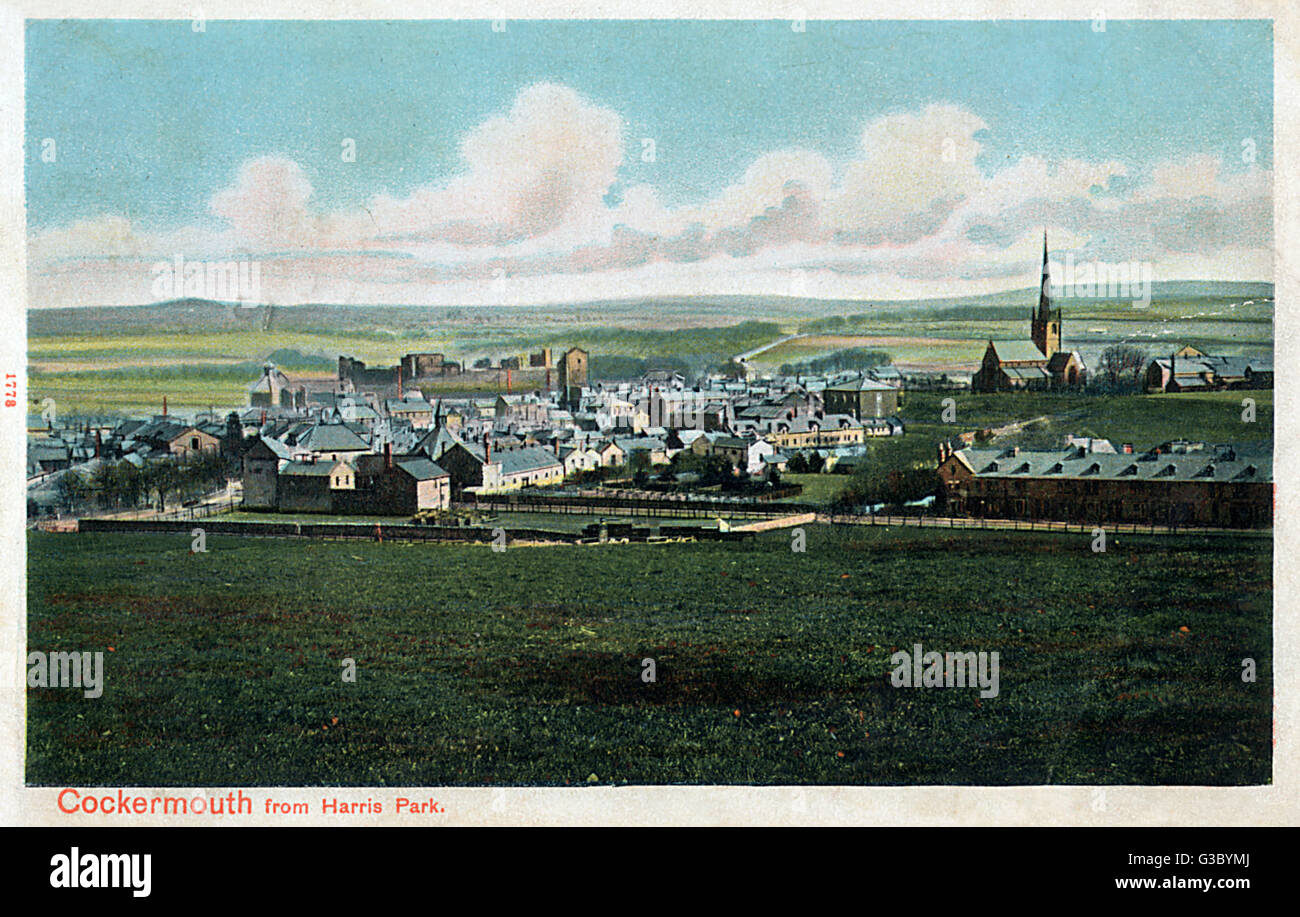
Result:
pixel 748 354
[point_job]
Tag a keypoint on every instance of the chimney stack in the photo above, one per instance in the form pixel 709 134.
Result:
pixel 388 456
pixel 399 381
pixel 507 379
pixel 487 445
pixel 164 405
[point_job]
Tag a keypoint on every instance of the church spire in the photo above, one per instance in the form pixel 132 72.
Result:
pixel 1044 286
pixel 1044 326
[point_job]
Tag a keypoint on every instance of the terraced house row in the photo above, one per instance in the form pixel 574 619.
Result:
pixel 1177 483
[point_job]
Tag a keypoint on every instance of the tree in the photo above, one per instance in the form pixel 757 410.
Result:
pixel 207 470
pixel 731 369
pixel 798 464
pixel 162 478
pixel 130 484
pixel 105 484
pixel 233 440
pixel 1122 363
pixel 72 488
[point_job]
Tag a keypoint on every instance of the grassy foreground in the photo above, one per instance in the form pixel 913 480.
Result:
pixel 523 667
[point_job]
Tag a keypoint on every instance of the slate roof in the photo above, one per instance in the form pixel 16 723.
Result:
pixel 1059 360
pixel 1026 372
pixel 763 411
pixel 160 431
pixel 48 452
pixel 1018 352
pixel 867 384
pixel 270 379
pixel 332 437
pixel 529 458
pixel 420 468
pixel 437 441
pixel 806 423
pixel 1223 463
pixel 1187 368
pixel 632 443
pixel 407 406
pixel 310 469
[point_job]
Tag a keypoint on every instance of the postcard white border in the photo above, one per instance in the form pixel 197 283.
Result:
pixel 1276 804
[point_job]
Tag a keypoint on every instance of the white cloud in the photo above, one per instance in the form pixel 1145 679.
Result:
pixel 913 212
pixel 267 205
pixel 544 166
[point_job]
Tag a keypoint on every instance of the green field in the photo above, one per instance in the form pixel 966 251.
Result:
pixel 948 336
pixel 1144 420
pixel 125 359
pixel 523 667
pixel 110 361
pixel 817 488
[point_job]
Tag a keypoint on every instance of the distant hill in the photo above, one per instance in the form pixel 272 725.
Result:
pixel 200 315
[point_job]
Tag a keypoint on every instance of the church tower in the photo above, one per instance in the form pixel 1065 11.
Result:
pixel 1045 325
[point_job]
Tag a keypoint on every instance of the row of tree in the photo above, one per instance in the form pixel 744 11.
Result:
pixel 812 463
pixel 121 485
pixel 850 358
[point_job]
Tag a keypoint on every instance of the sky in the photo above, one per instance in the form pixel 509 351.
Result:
pixel 458 163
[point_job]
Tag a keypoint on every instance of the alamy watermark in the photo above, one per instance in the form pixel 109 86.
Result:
pixel 920 669
pixel 1101 280
pixel 222 281
pixel 67 670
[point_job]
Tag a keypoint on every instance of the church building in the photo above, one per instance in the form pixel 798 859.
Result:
pixel 1038 363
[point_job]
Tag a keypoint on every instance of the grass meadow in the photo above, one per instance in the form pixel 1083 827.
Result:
pixel 523 667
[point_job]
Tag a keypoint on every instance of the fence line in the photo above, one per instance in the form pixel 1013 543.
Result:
pixel 198 511
pixel 1027 525
pixel 201 511
pixel 631 506
pixel 378 532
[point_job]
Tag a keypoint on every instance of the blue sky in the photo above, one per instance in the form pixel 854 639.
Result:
pixel 152 119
